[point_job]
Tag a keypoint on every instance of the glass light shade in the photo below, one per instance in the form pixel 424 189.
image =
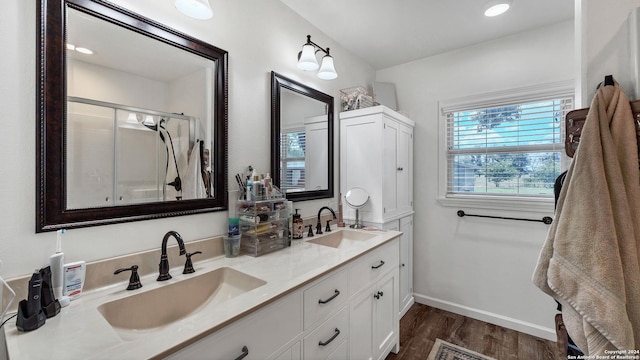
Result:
pixel 327 70
pixel 197 9
pixel 496 7
pixel 308 61
pixel 132 118
pixel 148 120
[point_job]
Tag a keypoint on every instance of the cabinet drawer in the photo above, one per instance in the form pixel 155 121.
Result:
pixel 325 297
pixel 373 265
pixel 340 353
pixel 261 333
pixel 329 336
pixel 292 353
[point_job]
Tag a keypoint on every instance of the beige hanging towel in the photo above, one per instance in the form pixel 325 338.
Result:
pixel 590 260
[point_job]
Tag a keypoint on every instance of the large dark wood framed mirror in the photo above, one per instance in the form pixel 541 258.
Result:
pixel 132 118
pixel 301 139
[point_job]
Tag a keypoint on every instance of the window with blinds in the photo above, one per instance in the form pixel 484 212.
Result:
pixel 514 150
pixel 292 159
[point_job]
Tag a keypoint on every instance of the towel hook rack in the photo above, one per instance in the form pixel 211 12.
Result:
pixel 547 219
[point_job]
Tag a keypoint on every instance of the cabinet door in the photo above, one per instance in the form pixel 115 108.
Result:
pixel 360 165
pixel 397 174
pixel 405 281
pixel 404 168
pixel 361 325
pixel 385 318
pixel 390 167
pixel 316 154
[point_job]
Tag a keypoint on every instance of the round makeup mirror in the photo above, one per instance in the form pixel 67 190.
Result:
pixel 357 198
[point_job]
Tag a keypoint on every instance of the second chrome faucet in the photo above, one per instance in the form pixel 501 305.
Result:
pixel 164 260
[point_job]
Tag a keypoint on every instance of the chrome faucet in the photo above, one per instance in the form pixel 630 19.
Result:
pixel 319 226
pixel 164 260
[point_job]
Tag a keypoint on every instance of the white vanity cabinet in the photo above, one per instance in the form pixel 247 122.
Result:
pixel 269 333
pixel 373 316
pixel 350 312
pixel 376 154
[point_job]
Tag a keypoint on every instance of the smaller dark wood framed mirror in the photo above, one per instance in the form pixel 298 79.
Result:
pixel 301 140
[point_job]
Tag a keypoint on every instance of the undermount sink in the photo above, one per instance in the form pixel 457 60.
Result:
pixel 172 302
pixel 341 238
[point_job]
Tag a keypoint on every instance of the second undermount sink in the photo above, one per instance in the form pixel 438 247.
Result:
pixel 174 301
pixel 340 238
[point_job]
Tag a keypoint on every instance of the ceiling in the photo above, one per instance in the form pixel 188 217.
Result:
pixel 127 51
pixel 391 32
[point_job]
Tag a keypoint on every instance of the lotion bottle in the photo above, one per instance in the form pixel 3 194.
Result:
pixel 57 264
pixel 74 274
pixel 340 218
pixel 298 228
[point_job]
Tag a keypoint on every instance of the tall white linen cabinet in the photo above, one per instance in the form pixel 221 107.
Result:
pixel 376 154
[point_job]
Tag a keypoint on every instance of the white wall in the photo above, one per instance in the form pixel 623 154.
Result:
pixel 260 35
pixel 603 46
pixel 478 267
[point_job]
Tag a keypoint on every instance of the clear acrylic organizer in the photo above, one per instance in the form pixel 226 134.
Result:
pixel 264 225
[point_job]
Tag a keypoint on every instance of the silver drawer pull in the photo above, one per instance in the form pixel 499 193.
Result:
pixel 335 335
pixel 245 352
pixel 335 295
pixel 378 266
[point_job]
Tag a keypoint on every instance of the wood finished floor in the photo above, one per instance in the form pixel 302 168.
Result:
pixel 422 325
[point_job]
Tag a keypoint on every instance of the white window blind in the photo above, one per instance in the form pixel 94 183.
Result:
pixel 292 159
pixel 513 150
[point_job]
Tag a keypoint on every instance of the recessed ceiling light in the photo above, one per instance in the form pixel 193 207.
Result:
pixel 496 7
pixel 79 49
pixel 197 9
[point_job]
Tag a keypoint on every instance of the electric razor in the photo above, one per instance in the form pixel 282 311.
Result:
pixel 50 305
pixel 30 313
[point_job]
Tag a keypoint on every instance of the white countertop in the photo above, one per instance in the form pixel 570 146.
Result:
pixel 79 331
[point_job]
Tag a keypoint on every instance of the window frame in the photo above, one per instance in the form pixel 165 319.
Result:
pixel 561 89
pixel 284 160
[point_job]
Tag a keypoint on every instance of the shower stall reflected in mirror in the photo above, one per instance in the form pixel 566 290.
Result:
pixel 119 155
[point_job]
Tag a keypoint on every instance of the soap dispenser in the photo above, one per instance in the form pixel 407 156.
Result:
pixel 298 228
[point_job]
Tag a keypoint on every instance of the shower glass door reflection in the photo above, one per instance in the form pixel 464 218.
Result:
pixel 90 156
pixel 120 156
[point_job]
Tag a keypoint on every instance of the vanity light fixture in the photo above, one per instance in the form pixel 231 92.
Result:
pixel 197 9
pixel 496 7
pixel 307 60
